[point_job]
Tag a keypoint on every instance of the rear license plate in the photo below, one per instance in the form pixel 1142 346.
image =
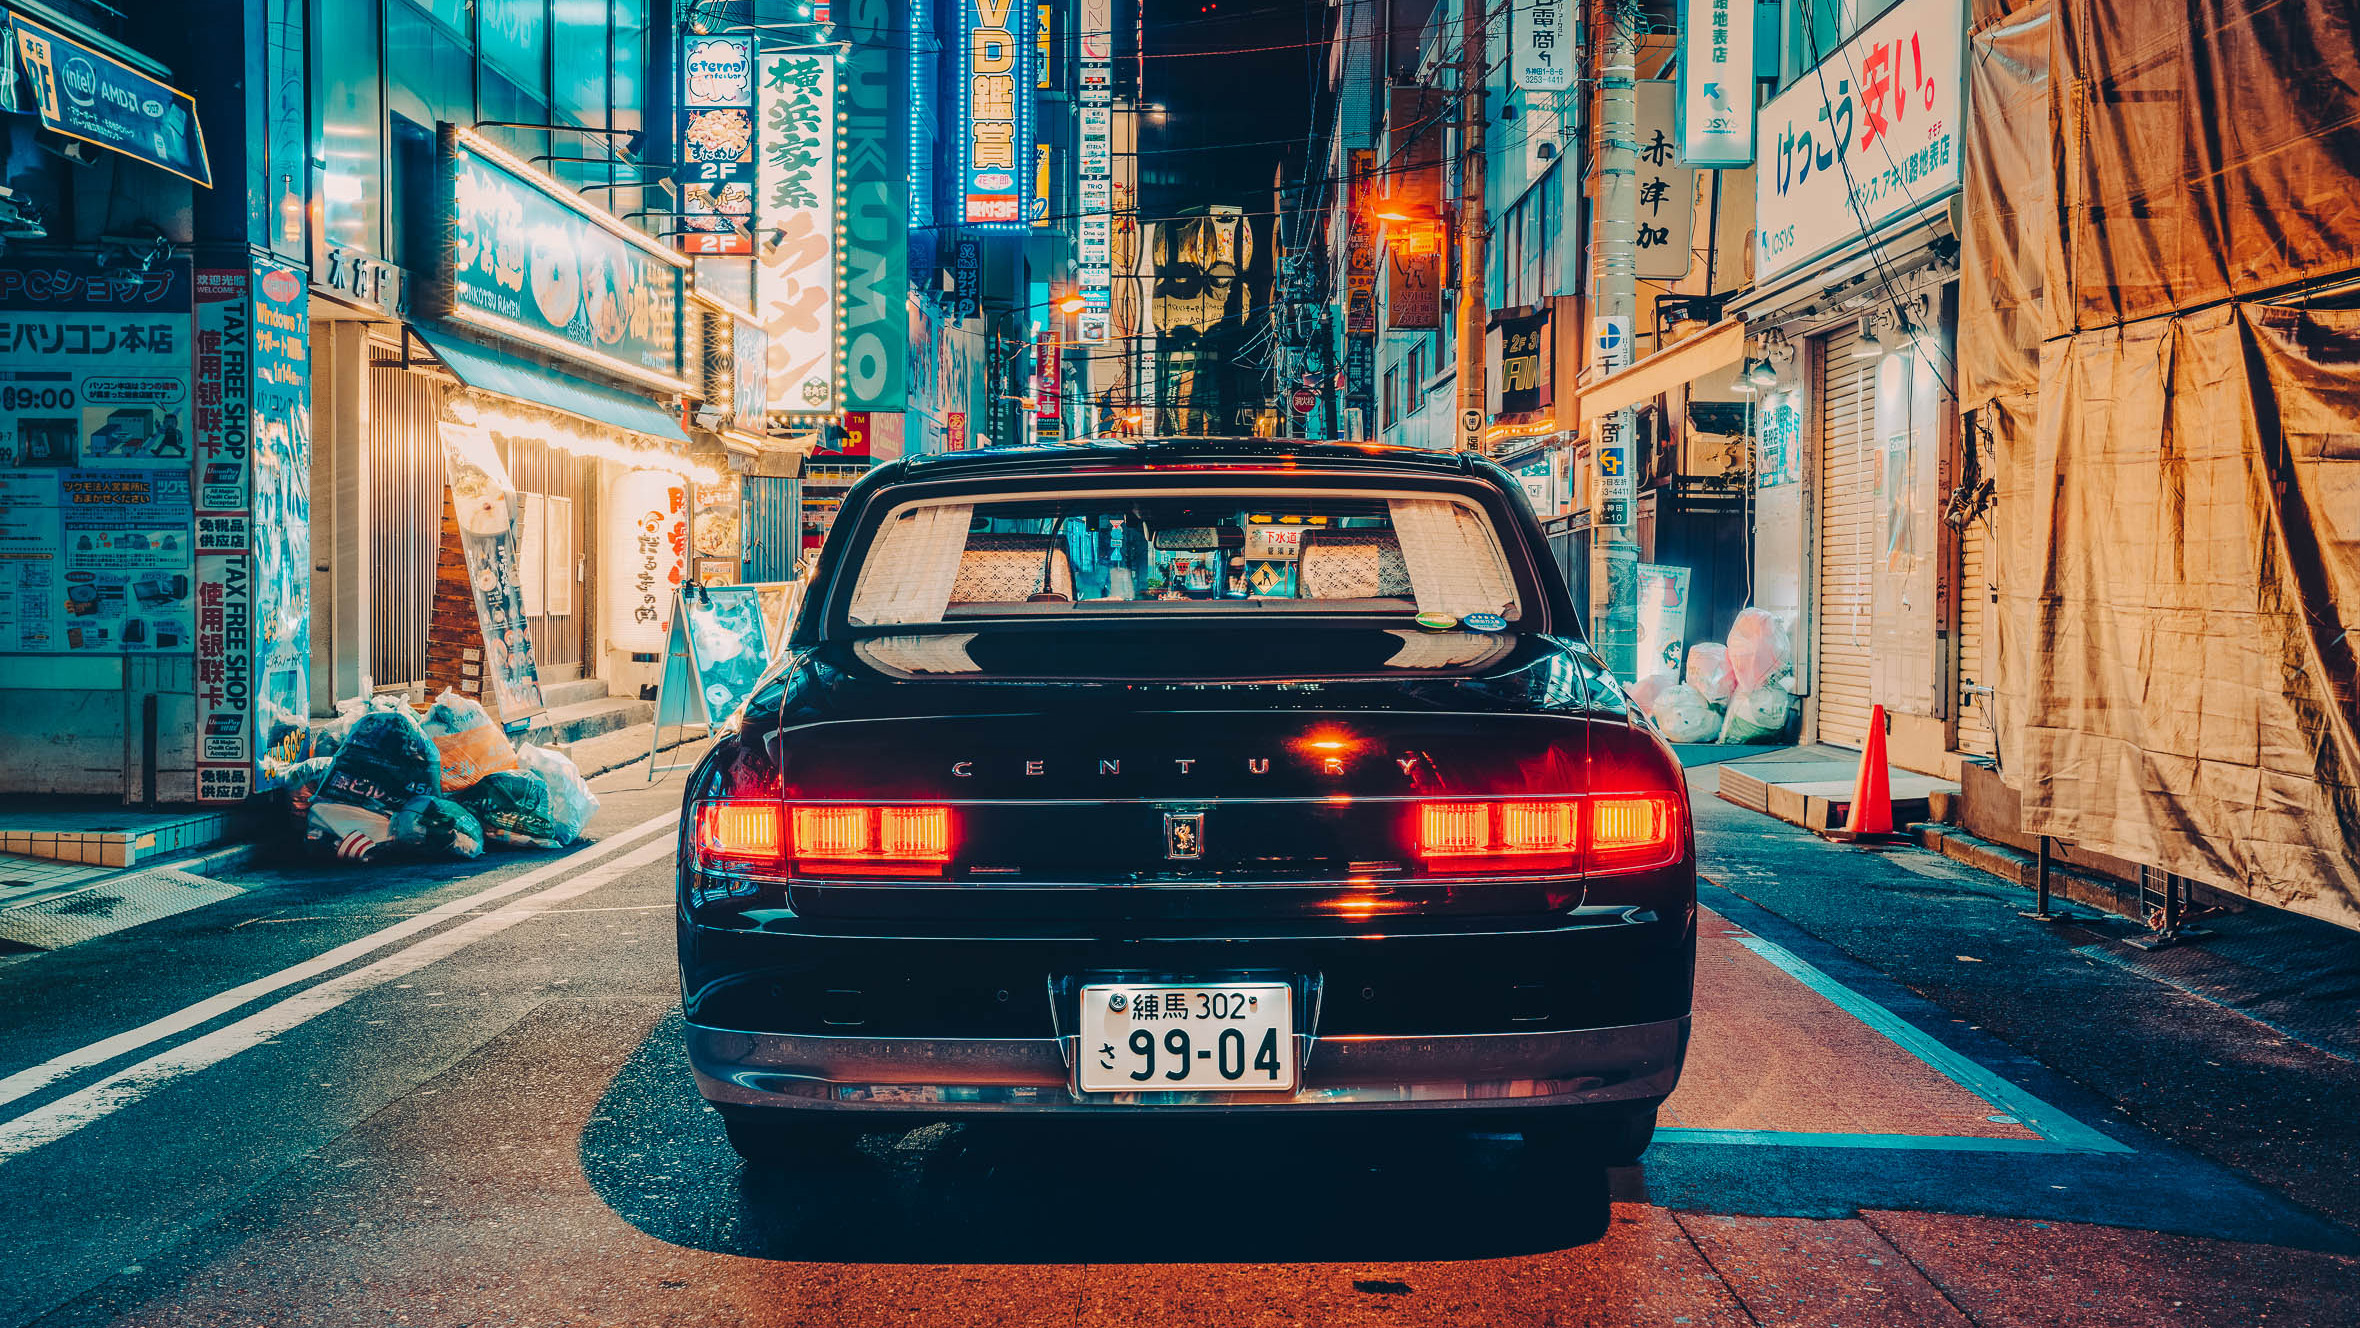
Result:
pixel 1166 1037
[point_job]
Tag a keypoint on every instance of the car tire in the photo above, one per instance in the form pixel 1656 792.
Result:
pixel 1614 1141
pixel 790 1143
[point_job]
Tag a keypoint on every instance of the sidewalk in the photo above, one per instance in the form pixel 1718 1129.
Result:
pixel 2244 1047
pixel 52 901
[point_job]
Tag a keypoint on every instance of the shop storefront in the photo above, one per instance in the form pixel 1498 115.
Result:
pixel 1850 329
pixel 486 443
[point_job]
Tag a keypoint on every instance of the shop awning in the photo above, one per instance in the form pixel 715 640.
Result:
pixel 501 374
pixel 1715 348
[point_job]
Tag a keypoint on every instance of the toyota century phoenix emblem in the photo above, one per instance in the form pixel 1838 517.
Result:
pixel 1184 835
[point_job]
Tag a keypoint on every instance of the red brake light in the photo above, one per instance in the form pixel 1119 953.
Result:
pixel 1511 836
pixel 1619 833
pixel 872 841
pixel 741 831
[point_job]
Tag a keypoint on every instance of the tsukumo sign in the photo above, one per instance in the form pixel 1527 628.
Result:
pixel 1870 137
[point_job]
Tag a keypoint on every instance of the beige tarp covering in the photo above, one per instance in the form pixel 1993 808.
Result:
pixel 2180 563
pixel 2213 150
pixel 2177 533
pixel 2010 213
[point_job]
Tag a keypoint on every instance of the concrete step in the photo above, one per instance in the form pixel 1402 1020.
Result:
pixel 556 694
pixel 588 719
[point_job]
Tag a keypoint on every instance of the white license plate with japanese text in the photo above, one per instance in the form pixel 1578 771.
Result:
pixel 1167 1038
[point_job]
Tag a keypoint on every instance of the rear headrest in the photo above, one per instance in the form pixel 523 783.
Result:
pixel 1006 569
pixel 1352 564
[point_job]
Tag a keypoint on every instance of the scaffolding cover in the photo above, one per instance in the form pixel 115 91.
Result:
pixel 2011 209
pixel 2179 569
pixel 2211 150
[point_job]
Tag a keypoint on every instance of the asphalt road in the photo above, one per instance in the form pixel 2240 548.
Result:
pixel 1899 1110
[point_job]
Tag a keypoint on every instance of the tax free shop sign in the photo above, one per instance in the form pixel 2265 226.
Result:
pixel 1873 135
pixel 994 94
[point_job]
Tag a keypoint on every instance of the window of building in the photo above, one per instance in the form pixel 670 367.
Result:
pixel 1392 396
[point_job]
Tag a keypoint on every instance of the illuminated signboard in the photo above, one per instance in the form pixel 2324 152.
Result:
pixel 717 144
pixel 994 127
pixel 526 258
pixel 795 290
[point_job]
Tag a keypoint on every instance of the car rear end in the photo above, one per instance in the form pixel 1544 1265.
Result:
pixel 1242 864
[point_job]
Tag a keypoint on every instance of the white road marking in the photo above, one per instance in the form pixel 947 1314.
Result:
pixel 84 1106
pixel 33 1079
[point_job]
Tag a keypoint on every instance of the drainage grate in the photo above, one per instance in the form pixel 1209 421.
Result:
pixel 110 904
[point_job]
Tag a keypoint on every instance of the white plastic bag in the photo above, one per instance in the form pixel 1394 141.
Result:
pixel 571 803
pixel 1756 714
pixel 1759 647
pixel 1708 671
pixel 1684 716
pixel 1644 691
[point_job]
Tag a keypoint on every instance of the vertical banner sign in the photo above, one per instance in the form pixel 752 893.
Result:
pixel 1663 618
pixel 1360 244
pixel 1094 231
pixel 1542 58
pixel 1048 390
pixel 1716 82
pixel 995 140
pixel 95 438
pixel 647 542
pixel 1615 487
pixel 281 457
pixel 222 424
pixel 967 278
pixel 718 171
pixel 795 210
pixel 251 422
pixel 1844 157
pixel 873 261
pixel 1666 189
pixel 488 576
pixel 1095 37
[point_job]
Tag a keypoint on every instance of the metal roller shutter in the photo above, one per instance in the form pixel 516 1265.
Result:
pixel 405 521
pixel 1974 617
pixel 1842 649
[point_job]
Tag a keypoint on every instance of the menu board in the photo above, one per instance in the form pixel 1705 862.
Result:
pixel 95 512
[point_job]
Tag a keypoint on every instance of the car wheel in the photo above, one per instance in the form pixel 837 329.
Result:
pixel 1614 1141
pixel 803 1145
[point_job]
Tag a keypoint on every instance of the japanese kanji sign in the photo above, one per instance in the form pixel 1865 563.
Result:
pixel 1717 82
pixel 1667 190
pixel 95 520
pixel 995 100
pixel 1543 55
pixel 1870 138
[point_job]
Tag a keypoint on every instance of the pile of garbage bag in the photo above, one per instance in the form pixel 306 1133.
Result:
pixel 1740 691
pixel 385 781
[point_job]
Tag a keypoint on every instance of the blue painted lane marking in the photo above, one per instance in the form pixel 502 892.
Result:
pixel 2059 1132
pixel 1938 1143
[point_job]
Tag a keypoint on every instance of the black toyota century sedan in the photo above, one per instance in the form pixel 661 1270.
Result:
pixel 1187 778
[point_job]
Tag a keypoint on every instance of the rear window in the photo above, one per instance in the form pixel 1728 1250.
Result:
pixel 1301 552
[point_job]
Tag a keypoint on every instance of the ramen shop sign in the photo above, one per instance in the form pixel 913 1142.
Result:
pixel 992 111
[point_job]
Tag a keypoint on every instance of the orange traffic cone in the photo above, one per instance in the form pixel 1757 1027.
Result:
pixel 1871 813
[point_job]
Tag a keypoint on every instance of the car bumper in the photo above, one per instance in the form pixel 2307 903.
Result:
pixel 1635 1065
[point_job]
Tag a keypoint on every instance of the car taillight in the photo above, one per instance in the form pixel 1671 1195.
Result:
pixel 871 841
pixel 1511 836
pixel 738 831
pixel 1622 832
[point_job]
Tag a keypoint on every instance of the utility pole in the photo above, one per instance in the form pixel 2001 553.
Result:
pixel 1474 306
pixel 1614 553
